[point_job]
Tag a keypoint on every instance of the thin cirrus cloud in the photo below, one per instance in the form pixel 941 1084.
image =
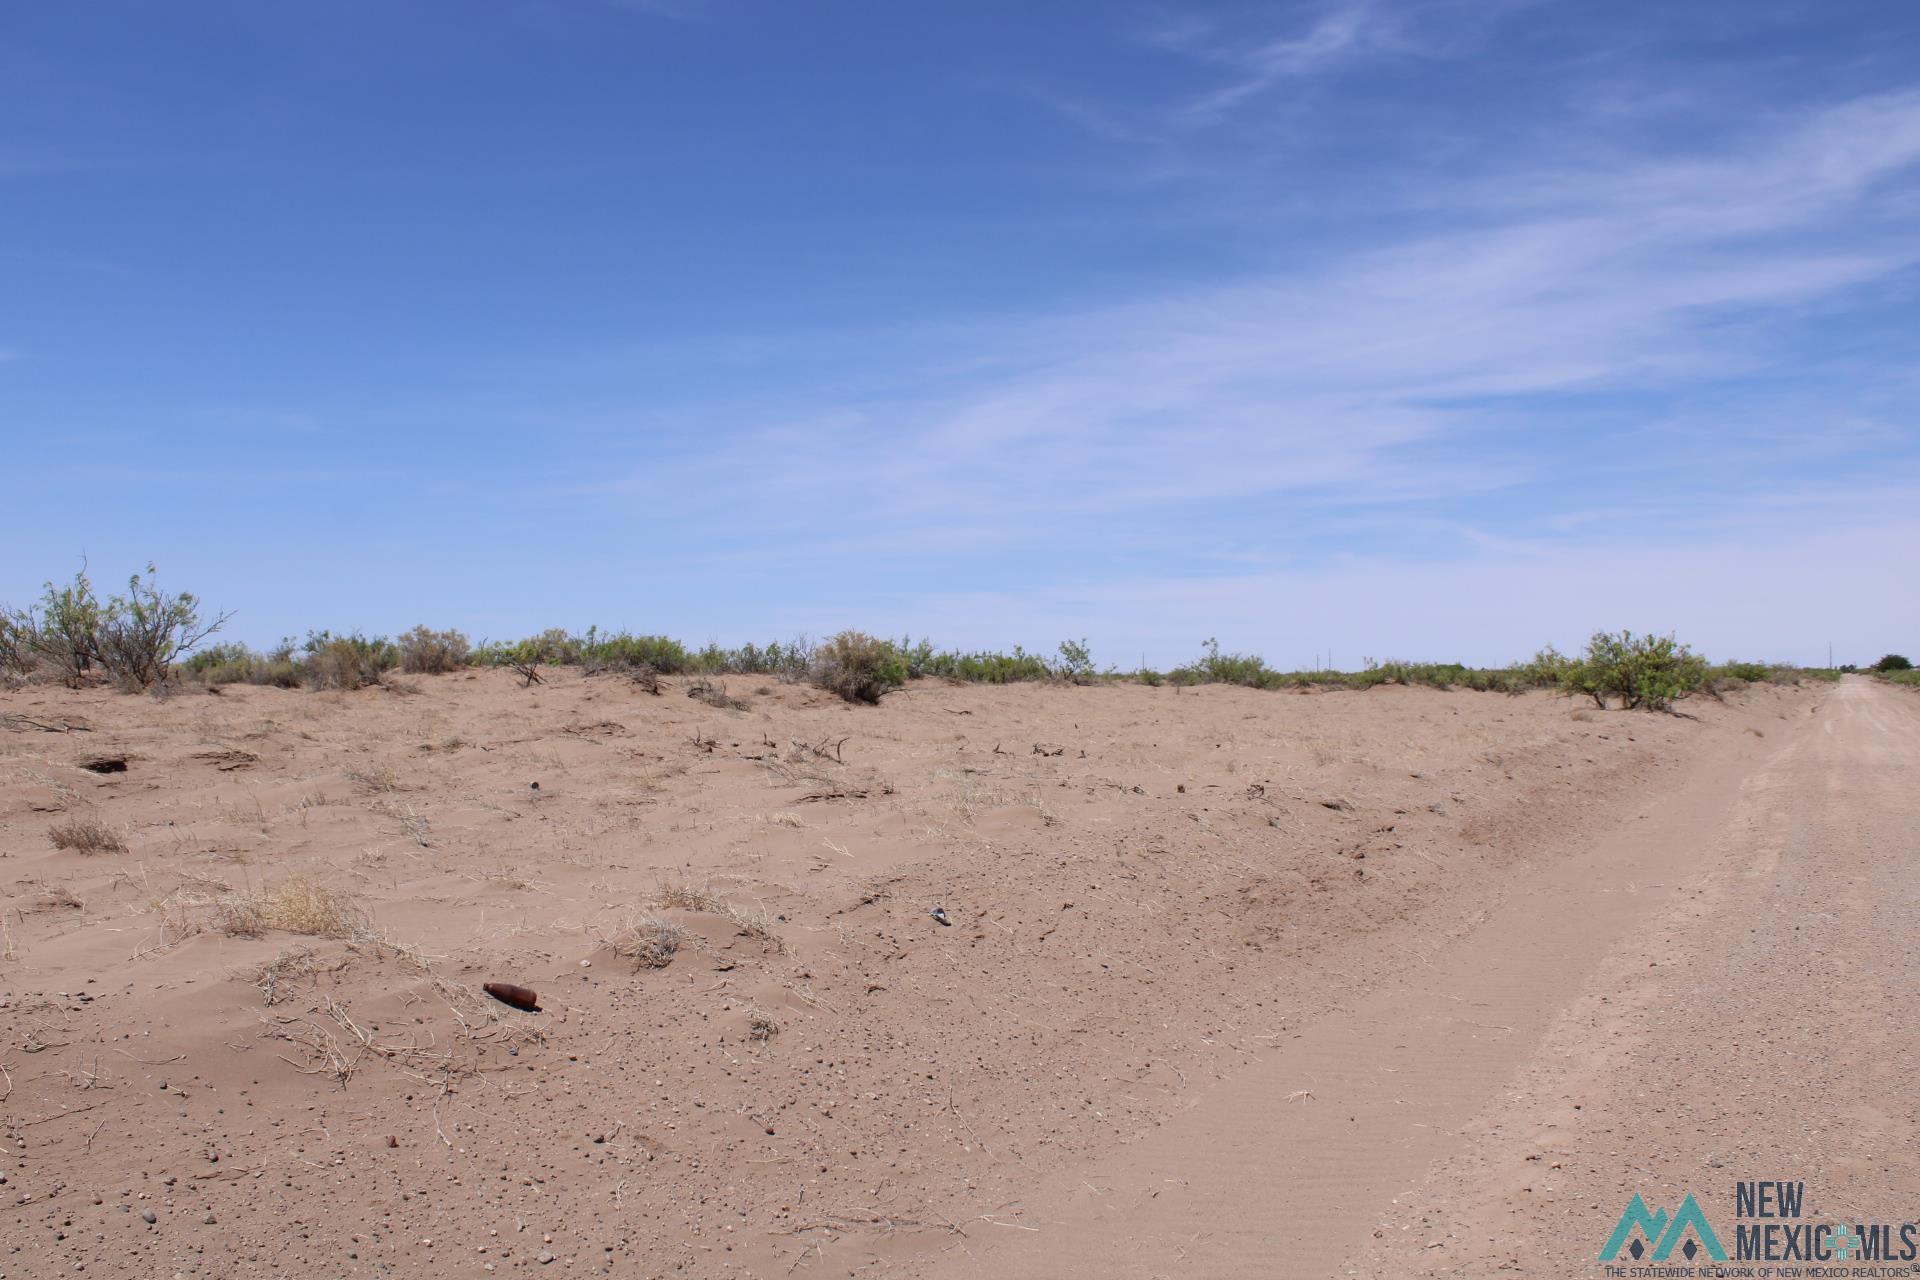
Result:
pixel 1369 377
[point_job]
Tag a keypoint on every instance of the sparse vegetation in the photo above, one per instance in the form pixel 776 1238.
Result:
pixel 16 655
pixel 201 904
pixel 682 897
pixel 858 667
pixel 63 629
pixel 650 942
pixel 714 694
pixel 86 835
pixel 134 638
pixel 346 662
pixel 138 635
pixel 1642 671
pixel 1075 664
pixel 426 652
pixel 295 905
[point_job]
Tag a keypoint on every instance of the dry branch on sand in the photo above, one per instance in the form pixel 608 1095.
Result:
pixel 325 1052
pixel 276 977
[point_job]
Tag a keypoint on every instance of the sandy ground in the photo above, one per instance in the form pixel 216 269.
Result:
pixel 1236 983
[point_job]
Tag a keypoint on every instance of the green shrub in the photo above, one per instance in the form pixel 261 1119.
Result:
pixel 1214 667
pixel 1893 662
pixel 223 664
pixel 346 662
pixel 786 660
pixel 981 667
pixel 16 655
pixel 1642 671
pixel 64 630
pixel 988 667
pixel 858 667
pixel 1545 670
pixel 665 655
pixel 424 651
pixel 134 638
pixel 1075 663
pixel 138 635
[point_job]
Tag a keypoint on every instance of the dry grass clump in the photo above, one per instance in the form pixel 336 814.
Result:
pixel 714 694
pixel 295 905
pixel 230 914
pixel 649 941
pixel 687 898
pixel 86 835
pixel 54 897
pixel 757 925
pixel 375 778
pixel 760 1026
pixel 300 905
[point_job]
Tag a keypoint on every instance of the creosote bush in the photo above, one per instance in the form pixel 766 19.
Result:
pixel 346 662
pixel 859 667
pixel 426 652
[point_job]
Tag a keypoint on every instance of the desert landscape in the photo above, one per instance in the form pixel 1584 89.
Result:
pixel 823 988
pixel 724 640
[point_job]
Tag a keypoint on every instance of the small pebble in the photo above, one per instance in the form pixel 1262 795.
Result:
pixel 148 1216
pixel 543 1257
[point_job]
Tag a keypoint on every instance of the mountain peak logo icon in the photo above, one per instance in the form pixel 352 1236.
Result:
pixel 1663 1233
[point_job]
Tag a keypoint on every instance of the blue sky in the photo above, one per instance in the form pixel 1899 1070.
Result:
pixel 1425 329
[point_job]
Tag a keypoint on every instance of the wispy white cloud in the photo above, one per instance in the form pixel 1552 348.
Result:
pixel 1365 377
pixel 1335 36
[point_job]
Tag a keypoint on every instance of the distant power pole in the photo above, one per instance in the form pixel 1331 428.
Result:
pixel 1829 655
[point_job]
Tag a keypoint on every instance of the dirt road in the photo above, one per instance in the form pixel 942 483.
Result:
pixel 1719 987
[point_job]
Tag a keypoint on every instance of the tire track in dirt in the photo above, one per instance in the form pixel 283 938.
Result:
pixel 1289 1167
pixel 1762 1027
